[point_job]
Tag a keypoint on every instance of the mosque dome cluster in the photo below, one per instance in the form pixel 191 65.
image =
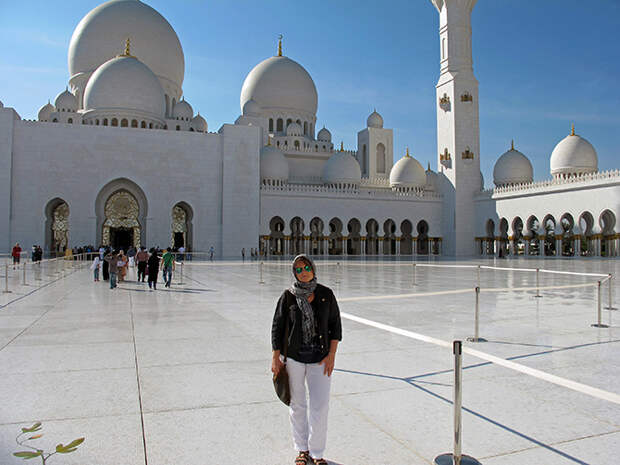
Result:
pixel 98 36
pixel 273 165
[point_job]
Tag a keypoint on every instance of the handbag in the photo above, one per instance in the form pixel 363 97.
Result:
pixel 280 381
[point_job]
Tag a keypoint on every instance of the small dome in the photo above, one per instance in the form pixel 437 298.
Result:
pixel 294 129
pixel 573 155
pixel 199 124
pixel 375 120
pixel 512 168
pixel 125 83
pixel 46 111
pixel 407 173
pixel 66 101
pixel 324 135
pixel 279 82
pixel 432 180
pixel 273 164
pixel 342 168
pixel 183 111
pixel 251 108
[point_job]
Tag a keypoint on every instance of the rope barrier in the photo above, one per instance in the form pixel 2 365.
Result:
pixel 557 380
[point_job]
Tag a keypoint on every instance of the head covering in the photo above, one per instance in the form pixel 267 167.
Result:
pixel 302 291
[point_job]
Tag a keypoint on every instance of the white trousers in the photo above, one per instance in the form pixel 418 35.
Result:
pixel 131 262
pixel 309 428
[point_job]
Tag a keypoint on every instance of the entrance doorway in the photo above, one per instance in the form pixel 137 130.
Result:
pixel 179 240
pixel 121 238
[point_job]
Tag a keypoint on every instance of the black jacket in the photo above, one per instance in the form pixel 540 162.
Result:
pixel 328 319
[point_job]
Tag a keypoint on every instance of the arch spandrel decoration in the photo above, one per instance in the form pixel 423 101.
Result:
pixel 121 211
pixel 60 226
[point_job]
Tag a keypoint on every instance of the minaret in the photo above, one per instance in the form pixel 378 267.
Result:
pixel 458 129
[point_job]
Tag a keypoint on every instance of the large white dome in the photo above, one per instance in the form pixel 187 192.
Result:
pixel 407 173
pixel 100 36
pixel 512 168
pixel 273 164
pixel 125 83
pixel 342 168
pixel 280 83
pixel 573 155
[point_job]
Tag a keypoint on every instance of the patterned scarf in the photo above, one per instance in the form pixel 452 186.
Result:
pixel 302 291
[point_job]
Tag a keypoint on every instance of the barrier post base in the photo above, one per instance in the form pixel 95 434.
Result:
pixel 599 325
pixel 448 459
pixel 476 339
pixel 610 308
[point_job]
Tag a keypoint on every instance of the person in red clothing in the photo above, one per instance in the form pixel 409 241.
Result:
pixel 17 251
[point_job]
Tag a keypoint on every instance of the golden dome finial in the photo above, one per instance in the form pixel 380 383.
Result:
pixel 280 45
pixel 512 144
pixel 407 154
pixel 127 52
pixel 572 129
pixel 341 146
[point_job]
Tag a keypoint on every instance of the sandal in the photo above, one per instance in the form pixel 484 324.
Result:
pixel 302 458
pixel 320 462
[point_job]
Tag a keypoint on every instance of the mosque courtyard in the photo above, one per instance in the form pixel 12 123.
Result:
pixel 181 376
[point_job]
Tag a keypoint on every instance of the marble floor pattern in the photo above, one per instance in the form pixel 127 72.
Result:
pixel 181 376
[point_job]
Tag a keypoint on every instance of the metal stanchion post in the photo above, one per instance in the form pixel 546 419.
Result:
pixel 477 337
pixel 414 274
pixel 609 299
pixel 457 458
pixel 181 282
pixel 478 275
pixel 24 275
pixel 537 283
pixel 6 278
pixel 337 280
pixel 599 323
pixel 260 281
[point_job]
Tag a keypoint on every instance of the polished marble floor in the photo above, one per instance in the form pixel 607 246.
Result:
pixel 181 376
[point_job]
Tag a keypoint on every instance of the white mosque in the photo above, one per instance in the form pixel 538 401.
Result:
pixel 120 158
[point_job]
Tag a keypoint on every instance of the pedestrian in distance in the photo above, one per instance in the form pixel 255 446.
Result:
pixel 243 254
pixel 95 267
pixel 16 254
pixel 131 256
pixel 112 260
pixel 142 258
pixel 122 265
pixel 153 268
pixel 168 266
pixel 211 252
pixel 314 331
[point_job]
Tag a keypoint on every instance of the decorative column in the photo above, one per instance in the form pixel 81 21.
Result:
pixel 415 246
pixel 363 246
pixel 398 246
pixel 344 245
pixel 526 251
pixel 325 246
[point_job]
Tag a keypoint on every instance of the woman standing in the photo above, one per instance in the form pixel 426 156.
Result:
pixel 314 332
pixel 153 267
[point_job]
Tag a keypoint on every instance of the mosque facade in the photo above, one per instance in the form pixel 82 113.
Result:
pixel 120 158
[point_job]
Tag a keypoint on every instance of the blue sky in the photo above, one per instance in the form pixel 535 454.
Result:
pixel 542 65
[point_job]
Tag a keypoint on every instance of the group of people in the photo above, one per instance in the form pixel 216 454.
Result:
pixel 254 254
pixel 114 265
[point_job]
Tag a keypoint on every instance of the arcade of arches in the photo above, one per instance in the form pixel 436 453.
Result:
pixel 339 238
pixel 563 237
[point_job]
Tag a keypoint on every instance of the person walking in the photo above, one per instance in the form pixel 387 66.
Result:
pixel 153 267
pixel 122 265
pixel 211 252
pixel 95 267
pixel 142 258
pixel 315 329
pixel 16 254
pixel 243 254
pixel 105 266
pixel 131 255
pixel 112 260
pixel 168 265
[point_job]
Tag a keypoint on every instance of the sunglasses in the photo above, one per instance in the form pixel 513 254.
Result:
pixel 299 269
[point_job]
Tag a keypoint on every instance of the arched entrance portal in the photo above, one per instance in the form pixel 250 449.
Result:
pixel 121 228
pixel 57 226
pixel 181 227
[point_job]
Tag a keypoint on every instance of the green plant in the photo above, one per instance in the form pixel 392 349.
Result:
pixel 60 448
